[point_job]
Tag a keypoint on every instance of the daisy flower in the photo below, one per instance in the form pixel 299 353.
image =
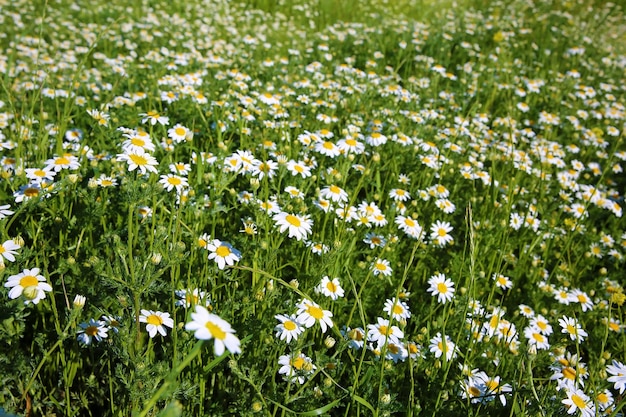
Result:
pixel 438 346
pixel 441 287
pixel 8 249
pixel 381 332
pixel 289 328
pixel 502 281
pixel 171 181
pixel 398 194
pixel 156 321
pixel 209 326
pixel 179 133
pixel 296 368
pixel 30 284
pixel 570 326
pixel 188 298
pixel 578 296
pixel 93 329
pixel 330 288
pixel 334 193
pixel 577 400
pixel 139 159
pixel 355 337
pixel 440 233
pixel 309 312
pixel 381 267
pixel 398 309
pixel 298 226
pixel 617 370
pixel 4 211
pixel 536 340
pixel 154 117
pixel 223 253
pixel 137 139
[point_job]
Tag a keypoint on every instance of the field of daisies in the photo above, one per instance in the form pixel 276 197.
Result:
pixel 282 208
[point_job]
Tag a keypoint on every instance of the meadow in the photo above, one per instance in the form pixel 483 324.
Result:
pixel 344 208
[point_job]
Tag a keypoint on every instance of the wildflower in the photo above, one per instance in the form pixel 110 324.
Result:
pixel 209 326
pixel 79 301
pixel 144 212
pixel 171 181
pixel 93 329
pixel 136 140
pixel 502 281
pixel 571 326
pixel 156 321
pixel 8 249
pixel 180 133
pixel 381 332
pixel 299 168
pixel 441 287
pixel 330 288
pixel 310 312
pixel 4 211
pixel 296 368
pixel 40 175
pixel 111 322
pixel 355 337
pixel 536 340
pixel 139 159
pixel 381 267
pixel 334 193
pixel 188 298
pixel 617 370
pixel 398 194
pixel 298 226
pixel 223 253
pixel 105 181
pixel 65 161
pixel 397 309
pixel 578 296
pixel 289 328
pixel 153 118
pixel 440 347
pixel 577 400
pixel 374 240
pixel 440 233
pixel 30 284
pixel 249 227
pixel 409 226
pixel 542 324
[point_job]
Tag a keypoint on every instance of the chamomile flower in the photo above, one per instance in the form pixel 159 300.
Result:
pixel 334 193
pixel 29 284
pixel 571 327
pixel 441 347
pixel 577 400
pixel 153 117
pixel 171 182
pixel 93 329
pixel 207 326
pixel 374 240
pixel 180 133
pixel 502 282
pixel 7 250
pixel 355 337
pixel 381 267
pixel 536 339
pixel 382 332
pixel 139 159
pixel 296 368
pixel 297 226
pixel 397 309
pixel 156 321
pixel 330 288
pixel 289 328
pixel 309 313
pixel 617 370
pixel 440 233
pixel 188 298
pixel 441 287
pixel 223 253
pixel 4 211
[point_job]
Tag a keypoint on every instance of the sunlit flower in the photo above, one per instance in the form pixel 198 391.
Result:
pixel 29 284
pixel 617 370
pixel 139 159
pixel 502 281
pixel 209 326
pixel 4 211
pixel 7 250
pixel 310 312
pixel 156 321
pixel 180 133
pixel 440 347
pixel 382 332
pixel 289 328
pixel 153 118
pixel 441 287
pixel 298 226
pixel 296 368
pixel 171 181
pixel 571 327
pixel 330 288
pixel 397 309
pixel 381 267
pixel 577 400
pixel 189 298
pixel 334 193
pixel 440 233
pixel 223 253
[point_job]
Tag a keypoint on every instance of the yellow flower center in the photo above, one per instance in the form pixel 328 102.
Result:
pixel 31 192
pixel 442 233
pixel 61 161
pixel 298 363
pixel 397 309
pixel 289 325
pixel 579 401
pixel 174 180
pixel 328 145
pixel 334 189
pixel 293 220
pixel 442 288
pixel 315 312
pixel 331 287
pixel 138 159
pixel 571 329
pixel 28 281
pixel 154 319
pixel 215 330
pixel 473 391
pixel 569 373
pixel 91 331
pixel 223 251
pixel 409 222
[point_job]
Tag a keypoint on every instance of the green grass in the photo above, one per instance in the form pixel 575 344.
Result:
pixel 479 189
